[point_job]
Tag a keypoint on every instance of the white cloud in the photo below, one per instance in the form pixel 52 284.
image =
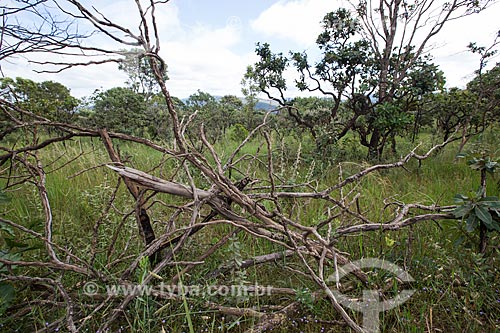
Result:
pixel 298 20
pixel 204 60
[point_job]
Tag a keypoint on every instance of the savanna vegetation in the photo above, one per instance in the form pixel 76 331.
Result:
pixel 136 189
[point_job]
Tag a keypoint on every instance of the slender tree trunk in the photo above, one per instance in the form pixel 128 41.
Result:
pixel 373 147
pixel 416 125
pixel 393 144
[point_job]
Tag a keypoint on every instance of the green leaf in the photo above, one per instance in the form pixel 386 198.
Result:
pixel 462 211
pixel 485 216
pixel 476 164
pixel 7 294
pixel 490 198
pixel 459 198
pixel 491 165
pixel 491 202
pixel 495 225
pixel 471 223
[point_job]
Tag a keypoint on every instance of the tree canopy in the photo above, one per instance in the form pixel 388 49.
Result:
pixel 49 99
pixel 370 61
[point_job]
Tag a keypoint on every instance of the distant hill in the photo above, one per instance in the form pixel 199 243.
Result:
pixel 262 104
pixel 266 105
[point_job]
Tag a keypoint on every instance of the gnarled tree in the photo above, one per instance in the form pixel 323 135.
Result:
pixel 375 57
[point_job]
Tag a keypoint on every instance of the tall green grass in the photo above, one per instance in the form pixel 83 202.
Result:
pixel 457 289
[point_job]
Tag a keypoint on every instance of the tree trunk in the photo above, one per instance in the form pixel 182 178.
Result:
pixel 483 238
pixel 393 144
pixel 373 147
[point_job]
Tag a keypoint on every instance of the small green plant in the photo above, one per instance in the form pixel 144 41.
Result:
pixel 239 275
pixel 483 163
pixel 480 211
pixel 304 297
pixel 476 209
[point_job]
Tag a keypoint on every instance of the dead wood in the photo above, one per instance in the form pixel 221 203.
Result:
pixel 141 215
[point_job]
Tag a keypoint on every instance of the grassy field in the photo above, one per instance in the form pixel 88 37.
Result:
pixel 457 290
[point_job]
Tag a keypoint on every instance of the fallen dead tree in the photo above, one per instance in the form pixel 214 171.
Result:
pixel 244 210
pixel 264 214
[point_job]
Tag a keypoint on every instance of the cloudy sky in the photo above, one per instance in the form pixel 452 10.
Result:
pixel 209 44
